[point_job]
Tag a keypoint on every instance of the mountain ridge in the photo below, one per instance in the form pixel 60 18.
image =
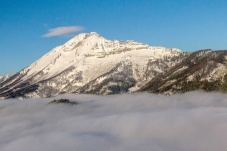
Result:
pixel 204 69
pixel 89 63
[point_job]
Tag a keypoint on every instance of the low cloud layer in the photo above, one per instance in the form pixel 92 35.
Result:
pixel 61 31
pixel 194 121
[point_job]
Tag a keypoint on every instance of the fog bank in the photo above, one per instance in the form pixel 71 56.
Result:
pixel 194 121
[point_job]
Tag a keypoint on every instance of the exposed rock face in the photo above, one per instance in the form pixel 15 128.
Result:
pixel 205 69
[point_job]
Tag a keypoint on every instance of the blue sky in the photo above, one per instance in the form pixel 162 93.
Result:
pixel 189 25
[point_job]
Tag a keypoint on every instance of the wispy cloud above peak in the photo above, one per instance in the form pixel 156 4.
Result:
pixel 61 31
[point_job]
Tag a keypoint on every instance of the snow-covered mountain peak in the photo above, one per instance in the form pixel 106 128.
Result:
pixel 89 63
pixel 83 40
pixel 85 36
pixel 93 44
pixel 88 57
pixel 88 49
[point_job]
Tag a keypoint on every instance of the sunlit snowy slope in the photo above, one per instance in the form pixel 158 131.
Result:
pixel 89 63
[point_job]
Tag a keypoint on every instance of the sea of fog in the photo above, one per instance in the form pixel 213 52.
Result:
pixel 195 121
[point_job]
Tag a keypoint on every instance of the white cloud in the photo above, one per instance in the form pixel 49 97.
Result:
pixel 59 31
pixel 193 121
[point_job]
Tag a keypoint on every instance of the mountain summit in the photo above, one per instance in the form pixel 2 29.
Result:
pixel 89 63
